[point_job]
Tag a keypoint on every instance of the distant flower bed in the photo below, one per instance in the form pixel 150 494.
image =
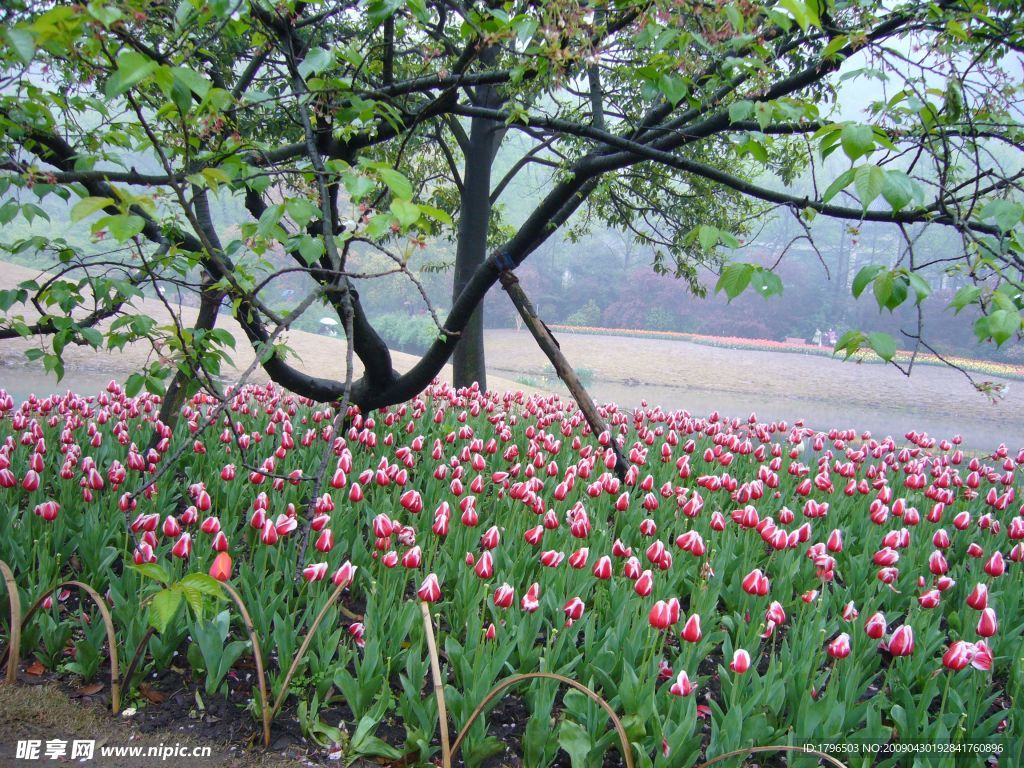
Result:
pixel 984 367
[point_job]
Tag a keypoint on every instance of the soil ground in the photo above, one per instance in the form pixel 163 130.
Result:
pixel 45 712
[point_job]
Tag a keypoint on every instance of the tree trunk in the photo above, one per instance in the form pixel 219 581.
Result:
pixel 474 216
pixel 174 398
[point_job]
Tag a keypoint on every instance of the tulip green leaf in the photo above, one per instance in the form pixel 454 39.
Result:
pixel 193 597
pixel 164 607
pixel 153 571
pixel 363 741
pixel 574 739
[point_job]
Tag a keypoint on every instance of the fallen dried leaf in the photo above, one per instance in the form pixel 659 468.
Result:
pixel 35 668
pixel 87 690
pixel 152 695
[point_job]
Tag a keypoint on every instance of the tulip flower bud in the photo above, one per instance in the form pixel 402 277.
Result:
pixel 902 641
pixel 740 661
pixel 221 568
pixel 988 624
pixel 839 648
pixel 504 596
pixel 978 599
pixel 682 686
pixel 691 630
pixel 875 625
pixel 430 589
pixel 603 568
pixel 644 584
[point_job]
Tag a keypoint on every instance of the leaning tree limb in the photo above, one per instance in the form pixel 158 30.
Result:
pixel 546 341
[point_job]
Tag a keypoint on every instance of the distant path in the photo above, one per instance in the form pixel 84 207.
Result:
pixel 777 385
pixel 320 355
pixel 626 370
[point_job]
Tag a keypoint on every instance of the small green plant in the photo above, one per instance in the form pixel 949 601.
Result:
pixel 87 652
pixel 211 652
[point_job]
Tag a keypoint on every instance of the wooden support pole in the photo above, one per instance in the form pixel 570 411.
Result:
pixel 546 341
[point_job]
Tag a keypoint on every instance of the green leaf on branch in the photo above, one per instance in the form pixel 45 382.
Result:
pixel 805 13
pixel 968 294
pixel 673 88
pixel 1000 326
pixel 857 140
pixel 868 180
pixel 87 206
pixel 132 69
pixel 883 344
pixel 734 279
pixel 22 43
pixel 406 212
pixel 842 181
pixel 766 283
pixel 357 186
pixel 890 290
pixel 849 343
pixel 315 62
pixel 121 227
pixel 899 190
pixel 300 210
pixel 1004 213
pixel 921 287
pixel 397 182
pixel 865 277
pixel 191 80
pixel 708 236
pixel 134 384
pixel 311 249
pixel 92 336
pixel 740 110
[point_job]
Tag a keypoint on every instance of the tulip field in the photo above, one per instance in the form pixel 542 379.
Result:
pixel 742 582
